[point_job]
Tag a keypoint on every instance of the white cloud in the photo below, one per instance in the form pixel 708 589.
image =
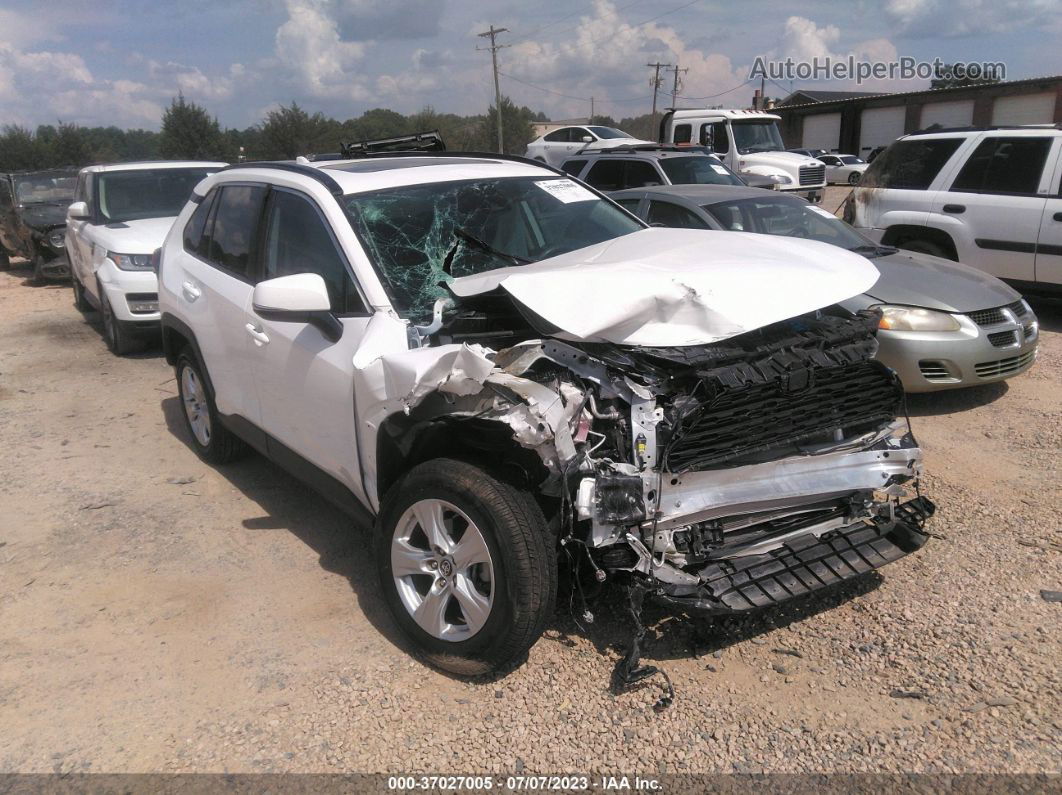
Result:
pixel 308 44
pixel 952 18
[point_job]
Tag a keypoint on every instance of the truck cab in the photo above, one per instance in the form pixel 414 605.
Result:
pixel 749 143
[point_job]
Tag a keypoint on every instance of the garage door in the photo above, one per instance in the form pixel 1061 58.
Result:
pixel 822 131
pixel 1026 109
pixel 947 114
pixel 880 127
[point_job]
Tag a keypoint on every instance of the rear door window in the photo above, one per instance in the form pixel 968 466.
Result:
pixel 1004 165
pixel 560 136
pixel 912 164
pixel 668 214
pixel 640 174
pixel 235 227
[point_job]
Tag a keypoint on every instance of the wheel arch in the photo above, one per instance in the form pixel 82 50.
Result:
pixel 899 234
pixel 176 336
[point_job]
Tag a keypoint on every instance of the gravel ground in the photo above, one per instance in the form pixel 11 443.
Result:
pixel 160 615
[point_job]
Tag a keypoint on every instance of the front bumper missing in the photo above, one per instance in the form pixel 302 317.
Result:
pixel 803 565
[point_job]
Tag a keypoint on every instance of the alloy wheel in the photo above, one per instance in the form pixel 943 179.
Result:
pixel 442 569
pixel 195 406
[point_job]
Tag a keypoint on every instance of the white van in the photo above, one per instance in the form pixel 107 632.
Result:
pixel 748 142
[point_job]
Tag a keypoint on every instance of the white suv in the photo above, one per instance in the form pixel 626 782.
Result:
pixel 501 367
pixel 990 198
pixel 120 216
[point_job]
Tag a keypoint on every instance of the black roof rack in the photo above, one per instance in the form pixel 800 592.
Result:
pixel 430 141
pixel 299 168
pixel 931 130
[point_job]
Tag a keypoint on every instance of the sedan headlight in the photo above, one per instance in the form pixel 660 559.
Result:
pixel 131 262
pixel 909 318
pixel 57 238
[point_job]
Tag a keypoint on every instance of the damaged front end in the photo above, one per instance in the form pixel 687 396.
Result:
pixel 722 477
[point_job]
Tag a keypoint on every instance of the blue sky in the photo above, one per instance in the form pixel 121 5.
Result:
pixel 121 62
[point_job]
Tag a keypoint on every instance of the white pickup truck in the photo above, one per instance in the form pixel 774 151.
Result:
pixel 748 142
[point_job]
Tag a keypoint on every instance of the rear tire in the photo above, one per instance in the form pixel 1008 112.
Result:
pixel 514 574
pixel 211 440
pixel 5 259
pixel 115 332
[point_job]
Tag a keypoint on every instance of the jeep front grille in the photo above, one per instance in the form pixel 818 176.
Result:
pixel 760 417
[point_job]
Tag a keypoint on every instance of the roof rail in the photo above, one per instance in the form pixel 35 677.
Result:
pixel 486 155
pixel 969 128
pixel 628 148
pixel 299 168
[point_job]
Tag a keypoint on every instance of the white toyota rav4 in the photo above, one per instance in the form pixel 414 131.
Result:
pixel 502 369
pixel 120 216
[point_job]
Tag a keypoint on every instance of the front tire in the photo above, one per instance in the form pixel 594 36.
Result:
pixel 116 333
pixel 467 566
pixel 925 247
pixel 853 178
pixel 211 440
pixel 5 259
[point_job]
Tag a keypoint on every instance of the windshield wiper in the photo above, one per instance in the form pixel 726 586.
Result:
pixel 874 250
pixel 483 245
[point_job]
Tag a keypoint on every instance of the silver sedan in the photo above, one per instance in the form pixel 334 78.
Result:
pixel 944 325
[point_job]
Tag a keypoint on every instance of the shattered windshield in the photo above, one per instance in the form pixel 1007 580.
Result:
pixel 420 236
pixel 42 188
pixel 757 136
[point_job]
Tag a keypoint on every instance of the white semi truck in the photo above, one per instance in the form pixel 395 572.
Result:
pixel 749 142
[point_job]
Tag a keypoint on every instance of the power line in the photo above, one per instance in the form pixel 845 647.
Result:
pixel 566 17
pixel 713 96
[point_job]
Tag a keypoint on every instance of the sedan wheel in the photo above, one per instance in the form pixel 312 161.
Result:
pixel 853 178
pixel 195 408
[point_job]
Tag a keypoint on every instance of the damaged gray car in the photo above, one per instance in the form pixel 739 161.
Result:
pixel 33 220
pixel 507 373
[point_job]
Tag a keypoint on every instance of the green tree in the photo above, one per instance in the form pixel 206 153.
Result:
pixel 290 131
pixel 517 132
pixel 20 149
pixel 70 147
pixel 603 121
pixel 189 133
pixel 376 123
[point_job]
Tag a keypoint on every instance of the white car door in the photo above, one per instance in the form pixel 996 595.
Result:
pixel 996 199
pixel 1049 242
pixel 212 280
pixel 833 165
pixel 305 381
pixel 78 244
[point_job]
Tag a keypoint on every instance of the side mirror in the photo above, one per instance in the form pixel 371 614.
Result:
pixel 78 211
pixel 587 139
pixel 299 298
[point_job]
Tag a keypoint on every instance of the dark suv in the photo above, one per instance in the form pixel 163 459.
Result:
pixel 33 219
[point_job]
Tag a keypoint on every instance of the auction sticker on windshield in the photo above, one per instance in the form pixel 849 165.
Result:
pixel 822 212
pixel 565 190
pixel 718 169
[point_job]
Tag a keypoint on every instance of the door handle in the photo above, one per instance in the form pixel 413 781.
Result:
pixel 259 336
pixel 955 209
pixel 1057 216
pixel 191 292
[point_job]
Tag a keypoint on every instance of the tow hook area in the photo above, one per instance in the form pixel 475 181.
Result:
pixel 628 672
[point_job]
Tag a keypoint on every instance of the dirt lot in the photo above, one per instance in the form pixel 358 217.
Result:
pixel 160 615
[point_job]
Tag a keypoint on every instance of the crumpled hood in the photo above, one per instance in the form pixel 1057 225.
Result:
pixel 134 237
pixel 674 287
pixel 43 216
pixel 914 279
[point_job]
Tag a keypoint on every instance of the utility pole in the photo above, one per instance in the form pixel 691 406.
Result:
pixel 494 47
pixel 763 96
pixel 675 86
pixel 655 81
pixel 591 119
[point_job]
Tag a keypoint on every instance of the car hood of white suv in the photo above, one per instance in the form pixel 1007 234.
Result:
pixel 133 237
pixel 678 287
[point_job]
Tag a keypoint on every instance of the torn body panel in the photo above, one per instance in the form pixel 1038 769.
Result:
pixel 684 466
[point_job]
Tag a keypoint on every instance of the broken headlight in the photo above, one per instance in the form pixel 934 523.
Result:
pixel 909 318
pixel 131 262
pixel 57 239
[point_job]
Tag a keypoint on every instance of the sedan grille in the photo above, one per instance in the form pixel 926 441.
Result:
pixel 1004 366
pixel 987 317
pixel 1001 339
pixel 752 419
pixel 935 371
pixel 812 175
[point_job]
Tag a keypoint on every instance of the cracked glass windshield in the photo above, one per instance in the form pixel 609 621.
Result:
pixel 421 236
